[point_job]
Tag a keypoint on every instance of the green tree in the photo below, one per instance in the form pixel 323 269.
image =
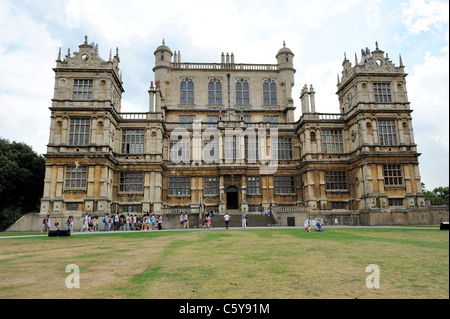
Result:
pixel 428 194
pixel 441 192
pixel 21 181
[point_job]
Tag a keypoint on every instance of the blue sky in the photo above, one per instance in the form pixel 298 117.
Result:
pixel 318 32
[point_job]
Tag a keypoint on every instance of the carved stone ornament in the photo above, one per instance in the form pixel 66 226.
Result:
pixel 353 134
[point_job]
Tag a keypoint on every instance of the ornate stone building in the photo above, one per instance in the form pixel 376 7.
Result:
pixel 223 135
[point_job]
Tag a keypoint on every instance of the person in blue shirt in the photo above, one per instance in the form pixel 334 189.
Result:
pixel 319 226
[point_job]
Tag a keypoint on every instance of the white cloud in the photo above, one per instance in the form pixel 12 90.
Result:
pixel 428 92
pixel 421 15
pixel 26 84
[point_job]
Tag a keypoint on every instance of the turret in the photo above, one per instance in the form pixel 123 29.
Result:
pixel 163 56
pixel 285 60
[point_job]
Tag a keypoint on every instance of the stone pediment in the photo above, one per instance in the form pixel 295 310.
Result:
pixel 371 62
pixel 87 57
pixel 377 63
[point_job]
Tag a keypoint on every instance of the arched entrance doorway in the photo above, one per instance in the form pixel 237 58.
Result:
pixel 232 198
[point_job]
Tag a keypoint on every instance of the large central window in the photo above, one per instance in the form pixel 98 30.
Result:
pixel 231 148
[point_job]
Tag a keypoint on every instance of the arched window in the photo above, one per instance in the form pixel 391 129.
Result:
pixel 242 93
pixel 214 92
pixel 270 92
pixel 186 91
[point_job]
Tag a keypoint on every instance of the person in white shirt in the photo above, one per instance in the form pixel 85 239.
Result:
pixel 85 223
pixel 244 220
pixel 116 222
pixel 227 218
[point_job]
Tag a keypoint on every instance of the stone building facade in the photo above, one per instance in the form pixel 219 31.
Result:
pixel 224 136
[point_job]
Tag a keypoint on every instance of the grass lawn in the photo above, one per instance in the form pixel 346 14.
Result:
pixel 220 264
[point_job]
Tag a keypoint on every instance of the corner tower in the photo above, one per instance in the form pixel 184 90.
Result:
pixel 84 119
pixel 374 105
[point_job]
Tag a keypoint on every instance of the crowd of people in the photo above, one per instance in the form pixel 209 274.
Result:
pixel 122 222
pixel 126 222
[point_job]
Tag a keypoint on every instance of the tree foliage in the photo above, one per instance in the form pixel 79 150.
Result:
pixel 21 181
pixel 438 193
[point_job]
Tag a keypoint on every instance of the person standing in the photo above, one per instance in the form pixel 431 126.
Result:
pixel 106 221
pixel 244 220
pixel 227 219
pixel 127 222
pixel 186 220
pixel 153 221
pixel 160 220
pixel 94 223
pixel 45 222
pixel 85 222
pixel 116 222
pixel 181 221
pixel 135 221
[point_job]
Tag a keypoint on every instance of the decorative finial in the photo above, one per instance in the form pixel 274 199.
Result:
pixel 284 44
pixel 401 62
pixel 376 44
pixel 85 39
pixel 164 42
pixel 59 54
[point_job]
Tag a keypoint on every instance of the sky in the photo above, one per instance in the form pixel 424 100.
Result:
pixel 319 33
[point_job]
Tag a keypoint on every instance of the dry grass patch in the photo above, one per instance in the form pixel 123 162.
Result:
pixel 37 268
pixel 272 264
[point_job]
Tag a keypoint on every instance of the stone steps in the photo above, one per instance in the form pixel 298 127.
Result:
pixel 253 220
